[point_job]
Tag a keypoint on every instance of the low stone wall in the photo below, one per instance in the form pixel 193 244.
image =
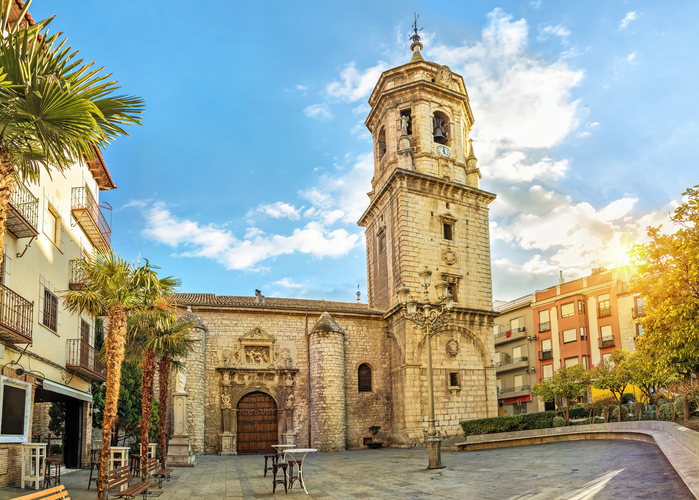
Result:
pixel 680 445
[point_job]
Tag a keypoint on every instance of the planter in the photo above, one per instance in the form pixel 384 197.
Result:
pixel 375 445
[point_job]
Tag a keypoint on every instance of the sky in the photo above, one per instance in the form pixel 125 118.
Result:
pixel 253 162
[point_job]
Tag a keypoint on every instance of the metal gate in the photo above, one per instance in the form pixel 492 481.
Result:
pixel 257 423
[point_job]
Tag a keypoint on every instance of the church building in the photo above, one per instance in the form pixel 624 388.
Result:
pixel 319 374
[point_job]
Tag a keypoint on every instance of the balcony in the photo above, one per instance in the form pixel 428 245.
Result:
pixel 514 334
pixel 544 355
pixel 16 314
pixel 23 213
pixel 511 364
pixel 545 327
pixel 513 392
pixel 605 342
pixel 85 360
pixel 89 217
pixel 77 280
pixel 603 312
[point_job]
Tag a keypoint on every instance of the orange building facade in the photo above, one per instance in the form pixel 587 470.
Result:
pixel 583 321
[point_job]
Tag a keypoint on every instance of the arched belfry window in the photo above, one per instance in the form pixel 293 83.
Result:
pixel 440 128
pixel 364 373
pixel 382 142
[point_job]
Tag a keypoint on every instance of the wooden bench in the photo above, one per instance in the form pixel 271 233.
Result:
pixel 162 474
pixel 121 477
pixel 56 493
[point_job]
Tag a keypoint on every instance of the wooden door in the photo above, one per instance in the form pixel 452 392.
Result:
pixel 257 423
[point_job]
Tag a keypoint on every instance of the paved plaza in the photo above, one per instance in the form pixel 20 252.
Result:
pixel 571 470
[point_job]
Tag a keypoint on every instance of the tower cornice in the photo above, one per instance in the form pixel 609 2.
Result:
pixel 426 183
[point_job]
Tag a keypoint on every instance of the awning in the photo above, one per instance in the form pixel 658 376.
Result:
pixel 521 399
pixel 67 391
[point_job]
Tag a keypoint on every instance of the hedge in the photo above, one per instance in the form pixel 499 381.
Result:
pixel 527 421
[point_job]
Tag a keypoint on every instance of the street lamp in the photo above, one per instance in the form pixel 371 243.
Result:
pixel 429 319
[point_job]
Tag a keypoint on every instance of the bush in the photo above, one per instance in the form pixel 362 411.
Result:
pixel 614 416
pixel 679 407
pixel 648 415
pixel 637 408
pixel 665 412
pixel 576 412
pixel 56 449
pixel 559 422
pixel 539 420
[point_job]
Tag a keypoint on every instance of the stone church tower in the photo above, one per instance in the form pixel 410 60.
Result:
pixel 320 374
pixel 426 209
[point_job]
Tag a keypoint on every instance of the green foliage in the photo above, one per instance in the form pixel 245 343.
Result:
pixel 648 415
pixel 668 278
pixel 527 421
pixel 615 414
pixel 559 422
pixel 627 397
pixel 566 385
pixel 57 418
pixel 665 412
pixel 99 334
pixel 679 407
pixel 129 406
pixel 578 412
pixel 637 407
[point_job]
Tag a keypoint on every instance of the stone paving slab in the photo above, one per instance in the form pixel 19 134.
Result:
pixel 569 470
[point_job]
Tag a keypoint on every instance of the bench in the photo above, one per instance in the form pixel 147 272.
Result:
pixel 55 493
pixel 121 477
pixel 152 465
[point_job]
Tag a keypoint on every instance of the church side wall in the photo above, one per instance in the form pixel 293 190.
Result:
pixel 196 390
pixel 366 342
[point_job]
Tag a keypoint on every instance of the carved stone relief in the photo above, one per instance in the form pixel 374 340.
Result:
pixel 452 347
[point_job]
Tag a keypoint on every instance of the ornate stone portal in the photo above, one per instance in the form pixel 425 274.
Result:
pixel 255 364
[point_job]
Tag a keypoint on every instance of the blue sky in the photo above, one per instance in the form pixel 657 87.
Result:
pixel 252 165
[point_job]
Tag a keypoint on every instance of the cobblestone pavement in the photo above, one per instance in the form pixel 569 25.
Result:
pixel 570 470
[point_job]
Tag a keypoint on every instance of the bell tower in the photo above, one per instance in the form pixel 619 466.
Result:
pixel 426 209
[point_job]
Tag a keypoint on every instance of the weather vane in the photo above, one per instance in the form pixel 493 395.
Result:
pixel 359 294
pixel 415 37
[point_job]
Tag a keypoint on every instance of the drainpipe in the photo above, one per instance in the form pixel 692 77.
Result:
pixel 308 359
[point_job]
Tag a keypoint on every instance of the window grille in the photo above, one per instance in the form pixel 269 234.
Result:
pixel 50 319
pixel 364 373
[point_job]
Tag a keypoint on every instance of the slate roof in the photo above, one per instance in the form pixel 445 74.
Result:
pixel 210 299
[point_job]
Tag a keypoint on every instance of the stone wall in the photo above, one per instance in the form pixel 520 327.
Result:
pixel 196 390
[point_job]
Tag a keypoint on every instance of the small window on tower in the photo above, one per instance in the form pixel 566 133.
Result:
pixel 364 377
pixel 440 128
pixel 451 289
pixel 382 242
pixel 382 143
pixel 448 231
pixel 454 379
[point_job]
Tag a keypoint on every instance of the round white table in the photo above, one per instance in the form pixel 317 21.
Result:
pixel 299 451
pixel 281 447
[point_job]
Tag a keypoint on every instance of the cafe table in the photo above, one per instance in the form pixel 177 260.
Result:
pixel 293 454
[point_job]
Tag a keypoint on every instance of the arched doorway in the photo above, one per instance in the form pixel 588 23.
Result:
pixel 257 423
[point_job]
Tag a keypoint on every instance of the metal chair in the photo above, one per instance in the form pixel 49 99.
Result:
pixel 95 462
pixel 53 472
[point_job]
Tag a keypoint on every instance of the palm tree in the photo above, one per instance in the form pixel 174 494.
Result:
pixel 54 108
pixel 141 326
pixel 170 343
pixel 118 288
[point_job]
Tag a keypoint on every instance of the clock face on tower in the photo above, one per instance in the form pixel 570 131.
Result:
pixel 444 151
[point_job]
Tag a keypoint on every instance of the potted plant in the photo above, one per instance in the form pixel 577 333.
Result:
pixel 374 429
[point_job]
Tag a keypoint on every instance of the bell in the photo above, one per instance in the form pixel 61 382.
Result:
pixel 438 134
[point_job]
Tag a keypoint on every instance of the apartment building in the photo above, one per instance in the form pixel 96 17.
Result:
pixel 515 349
pixel 583 321
pixel 48 354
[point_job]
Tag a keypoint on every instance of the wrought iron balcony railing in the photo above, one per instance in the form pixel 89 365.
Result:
pixel 543 355
pixel 16 317
pixel 23 213
pixel 514 333
pixel 516 388
pixel 85 360
pixel 77 280
pixel 603 312
pixel 545 326
pixel 89 217
pixel 607 341
pixel 511 361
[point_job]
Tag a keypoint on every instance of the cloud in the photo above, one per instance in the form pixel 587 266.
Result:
pixel 631 58
pixel 287 283
pixel 302 88
pixel 318 111
pixel 277 210
pixel 356 85
pixel 522 102
pixel 192 239
pixel 546 31
pixel 513 167
pixel 631 16
pixel 535 4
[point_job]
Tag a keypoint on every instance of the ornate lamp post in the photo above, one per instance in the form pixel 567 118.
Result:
pixel 429 319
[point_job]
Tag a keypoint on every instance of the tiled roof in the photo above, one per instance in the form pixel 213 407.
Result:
pixel 210 299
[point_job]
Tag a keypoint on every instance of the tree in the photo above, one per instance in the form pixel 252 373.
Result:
pixel 128 416
pixel 171 340
pixel 566 385
pixel 613 375
pixel 648 375
pixel 120 288
pixel 54 109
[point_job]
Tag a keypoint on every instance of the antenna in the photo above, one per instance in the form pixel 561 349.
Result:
pixel 415 37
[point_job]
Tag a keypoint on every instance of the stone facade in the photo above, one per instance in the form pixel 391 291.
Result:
pixel 425 209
